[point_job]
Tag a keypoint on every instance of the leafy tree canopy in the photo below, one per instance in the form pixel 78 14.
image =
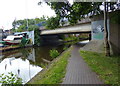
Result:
pixel 21 25
pixel 52 23
pixel 74 12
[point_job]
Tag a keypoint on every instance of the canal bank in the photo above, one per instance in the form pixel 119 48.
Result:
pixel 77 71
pixel 28 60
pixel 54 72
pixel 9 48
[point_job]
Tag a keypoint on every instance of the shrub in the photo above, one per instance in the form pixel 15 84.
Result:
pixel 10 79
pixel 37 37
pixel 54 53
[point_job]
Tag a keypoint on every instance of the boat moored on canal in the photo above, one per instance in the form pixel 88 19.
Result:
pixel 13 40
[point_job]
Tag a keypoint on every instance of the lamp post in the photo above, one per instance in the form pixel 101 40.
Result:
pixel 27 24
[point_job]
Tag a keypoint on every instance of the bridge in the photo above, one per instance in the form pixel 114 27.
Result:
pixel 82 27
pixel 53 36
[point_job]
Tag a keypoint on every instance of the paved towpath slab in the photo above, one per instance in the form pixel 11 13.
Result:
pixel 78 71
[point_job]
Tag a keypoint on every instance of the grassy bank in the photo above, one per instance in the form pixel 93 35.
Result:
pixel 71 38
pixel 105 67
pixel 55 72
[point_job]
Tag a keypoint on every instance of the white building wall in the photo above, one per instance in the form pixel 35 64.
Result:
pixel 31 36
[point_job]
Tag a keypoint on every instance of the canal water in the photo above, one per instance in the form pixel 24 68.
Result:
pixel 26 62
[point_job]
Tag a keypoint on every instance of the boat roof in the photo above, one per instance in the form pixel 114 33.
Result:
pixel 11 37
pixel 17 33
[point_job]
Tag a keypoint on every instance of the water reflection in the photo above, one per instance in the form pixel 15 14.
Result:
pixel 25 63
pixel 19 67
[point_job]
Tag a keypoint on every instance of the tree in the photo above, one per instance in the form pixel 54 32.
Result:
pixel 21 25
pixel 21 28
pixel 32 27
pixel 60 8
pixel 37 36
pixel 73 12
pixel 78 10
pixel 107 46
pixel 52 23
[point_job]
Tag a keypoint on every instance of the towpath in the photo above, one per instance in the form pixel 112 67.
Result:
pixel 78 71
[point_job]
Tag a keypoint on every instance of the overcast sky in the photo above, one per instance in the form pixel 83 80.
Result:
pixel 21 9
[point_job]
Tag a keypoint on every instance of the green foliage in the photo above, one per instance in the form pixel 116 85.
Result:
pixel 13 30
pixel 74 39
pixel 24 41
pixel 65 48
pixel 21 25
pixel 38 20
pixel 54 73
pixel 71 38
pixel 33 27
pixel 43 65
pixel 78 10
pixel 52 23
pixel 10 79
pixel 73 12
pixel 61 8
pixel 54 53
pixel 37 36
pixel 105 67
pixel 21 28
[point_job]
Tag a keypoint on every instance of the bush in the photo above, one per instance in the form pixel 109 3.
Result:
pixel 37 37
pixel 54 53
pixel 10 79
pixel 71 38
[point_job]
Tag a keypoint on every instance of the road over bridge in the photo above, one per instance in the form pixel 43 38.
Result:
pixel 79 28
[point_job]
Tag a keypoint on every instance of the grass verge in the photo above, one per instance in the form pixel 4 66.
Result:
pixel 55 72
pixel 105 67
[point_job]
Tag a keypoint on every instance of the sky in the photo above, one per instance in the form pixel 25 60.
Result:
pixel 21 9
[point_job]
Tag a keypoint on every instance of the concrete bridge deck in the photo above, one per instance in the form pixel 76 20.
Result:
pixel 80 28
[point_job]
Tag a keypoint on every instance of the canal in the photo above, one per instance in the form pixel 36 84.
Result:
pixel 26 62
